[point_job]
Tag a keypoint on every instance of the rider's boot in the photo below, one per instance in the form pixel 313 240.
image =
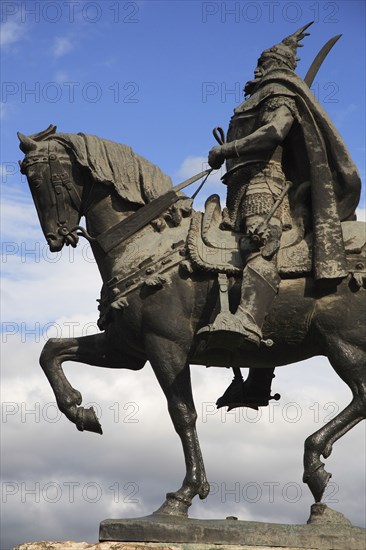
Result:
pixel 258 290
pixel 244 328
pixel 254 392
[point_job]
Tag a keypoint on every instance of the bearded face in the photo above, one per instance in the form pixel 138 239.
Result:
pixel 264 65
pixel 251 84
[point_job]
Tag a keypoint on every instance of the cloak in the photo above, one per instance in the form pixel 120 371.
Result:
pixel 314 152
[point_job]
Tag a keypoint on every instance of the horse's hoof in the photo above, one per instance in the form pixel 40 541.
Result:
pixel 86 419
pixel 317 482
pixel 175 505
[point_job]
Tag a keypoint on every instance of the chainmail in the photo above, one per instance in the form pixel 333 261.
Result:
pixel 252 190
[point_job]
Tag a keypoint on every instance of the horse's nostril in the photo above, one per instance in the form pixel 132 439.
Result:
pixel 50 237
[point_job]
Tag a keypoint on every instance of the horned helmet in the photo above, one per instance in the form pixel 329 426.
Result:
pixel 285 51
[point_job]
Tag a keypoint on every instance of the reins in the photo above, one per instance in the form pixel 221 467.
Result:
pixel 124 229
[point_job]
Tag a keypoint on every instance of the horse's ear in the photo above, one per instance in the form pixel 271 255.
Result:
pixel 27 144
pixel 45 133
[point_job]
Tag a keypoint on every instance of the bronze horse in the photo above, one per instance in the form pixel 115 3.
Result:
pixel 157 320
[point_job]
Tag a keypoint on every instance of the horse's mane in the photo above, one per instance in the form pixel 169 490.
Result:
pixel 134 178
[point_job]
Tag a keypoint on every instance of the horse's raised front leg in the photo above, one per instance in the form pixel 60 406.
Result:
pixel 349 362
pixel 173 373
pixel 92 350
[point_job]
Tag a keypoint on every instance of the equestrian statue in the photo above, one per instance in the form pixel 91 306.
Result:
pixel 276 277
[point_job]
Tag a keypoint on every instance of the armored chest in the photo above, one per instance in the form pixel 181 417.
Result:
pixel 242 124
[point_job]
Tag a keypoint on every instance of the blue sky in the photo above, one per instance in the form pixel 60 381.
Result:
pixel 157 76
pixel 163 72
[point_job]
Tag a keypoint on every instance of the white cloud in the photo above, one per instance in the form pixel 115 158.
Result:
pixel 62 45
pixel 361 214
pixel 61 77
pixel 244 454
pixel 17 206
pixel 192 165
pixel 30 270
pixel 11 32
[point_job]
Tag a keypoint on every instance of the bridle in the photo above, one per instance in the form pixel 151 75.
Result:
pixel 62 186
pixel 109 239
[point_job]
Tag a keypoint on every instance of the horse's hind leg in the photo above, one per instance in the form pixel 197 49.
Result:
pixel 173 373
pixel 350 363
pixel 92 350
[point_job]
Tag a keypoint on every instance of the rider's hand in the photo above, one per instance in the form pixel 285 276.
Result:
pixel 263 233
pixel 216 157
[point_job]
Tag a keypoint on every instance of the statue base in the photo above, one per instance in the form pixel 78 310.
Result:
pixel 70 545
pixel 326 530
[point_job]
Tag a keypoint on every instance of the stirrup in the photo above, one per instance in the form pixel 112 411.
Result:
pixel 241 394
pixel 228 332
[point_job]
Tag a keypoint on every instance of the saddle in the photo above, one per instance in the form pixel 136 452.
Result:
pixel 216 250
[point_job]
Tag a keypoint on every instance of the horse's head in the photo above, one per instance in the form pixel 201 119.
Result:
pixel 48 167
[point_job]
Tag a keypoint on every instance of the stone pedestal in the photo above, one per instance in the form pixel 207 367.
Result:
pixel 326 530
pixel 69 545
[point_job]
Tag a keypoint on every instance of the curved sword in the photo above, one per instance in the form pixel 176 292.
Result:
pixel 315 66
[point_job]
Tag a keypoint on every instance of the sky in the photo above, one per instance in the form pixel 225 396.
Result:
pixel 157 76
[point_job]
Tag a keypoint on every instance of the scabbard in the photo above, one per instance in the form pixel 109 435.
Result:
pixel 136 221
pixel 277 202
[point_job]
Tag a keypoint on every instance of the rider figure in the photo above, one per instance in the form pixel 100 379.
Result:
pixel 281 133
pixel 255 179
